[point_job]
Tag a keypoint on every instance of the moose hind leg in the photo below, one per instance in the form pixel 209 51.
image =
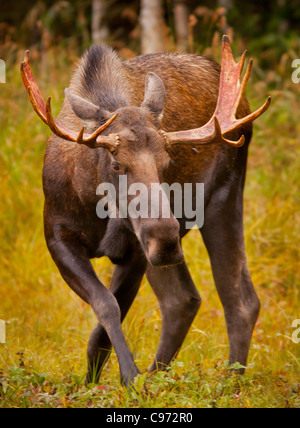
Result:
pixel 224 239
pixel 179 302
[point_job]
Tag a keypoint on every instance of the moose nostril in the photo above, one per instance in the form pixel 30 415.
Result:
pixel 163 253
pixel 171 246
pixel 161 242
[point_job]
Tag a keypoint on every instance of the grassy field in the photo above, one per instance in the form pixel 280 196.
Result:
pixel 43 362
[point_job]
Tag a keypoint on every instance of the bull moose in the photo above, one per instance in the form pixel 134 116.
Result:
pixel 159 118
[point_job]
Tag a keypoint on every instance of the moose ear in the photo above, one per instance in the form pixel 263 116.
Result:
pixel 155 95
pixel 84 109
pixel 89 113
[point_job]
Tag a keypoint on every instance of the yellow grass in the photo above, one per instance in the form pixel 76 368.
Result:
pixel 43 362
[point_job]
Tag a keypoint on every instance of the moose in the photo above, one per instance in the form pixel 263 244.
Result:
pixel 158 118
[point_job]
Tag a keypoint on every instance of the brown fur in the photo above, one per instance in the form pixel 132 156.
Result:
pixel 191 83
pixel 74 233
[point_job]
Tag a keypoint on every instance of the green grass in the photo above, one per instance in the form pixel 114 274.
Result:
pixel 43 362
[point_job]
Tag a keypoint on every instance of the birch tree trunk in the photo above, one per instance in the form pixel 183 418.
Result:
pixel 228 4
pixel 99 28
pixel 181 15
pixel 152 23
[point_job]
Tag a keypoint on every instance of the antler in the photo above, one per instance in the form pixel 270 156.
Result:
pixel 45 113
pixel 224 119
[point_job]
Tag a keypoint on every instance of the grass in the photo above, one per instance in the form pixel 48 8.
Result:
pixel 43 362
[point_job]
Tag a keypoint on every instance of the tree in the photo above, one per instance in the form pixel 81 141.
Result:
pixel 228 4
pixel 181 16
pixel 99 29
pixel 152 23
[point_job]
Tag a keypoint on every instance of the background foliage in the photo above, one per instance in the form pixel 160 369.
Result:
pixel 43 362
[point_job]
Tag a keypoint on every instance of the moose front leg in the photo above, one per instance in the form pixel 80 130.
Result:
pixel 125 284
pixel 76 269
pixel 179 302
pixel 224 239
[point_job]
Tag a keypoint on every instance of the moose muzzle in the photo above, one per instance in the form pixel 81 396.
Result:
pixel 161 242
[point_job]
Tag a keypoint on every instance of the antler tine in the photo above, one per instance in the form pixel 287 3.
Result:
pixel 224 120
pixel 32 89
pixel 96 134
pixel 230 91
pixel 44 111
pixel 59 129
pixel 80 138
pixel 219 137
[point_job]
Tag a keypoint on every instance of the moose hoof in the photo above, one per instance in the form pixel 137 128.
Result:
pixel 128 379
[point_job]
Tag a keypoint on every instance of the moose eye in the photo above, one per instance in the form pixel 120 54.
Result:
pixel 116 167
